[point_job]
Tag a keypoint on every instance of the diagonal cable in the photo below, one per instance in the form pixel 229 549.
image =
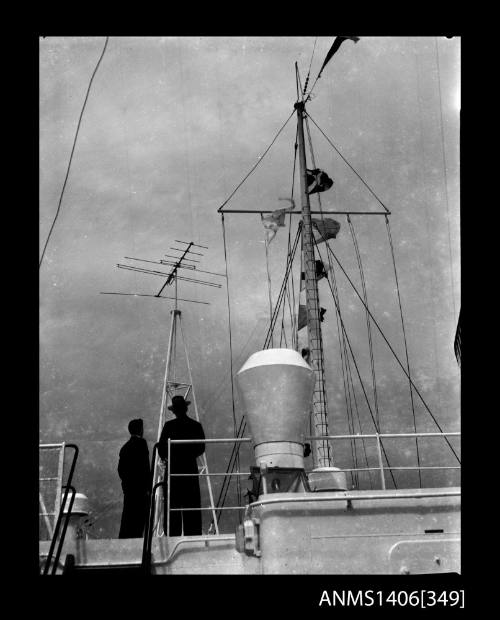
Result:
pixel 255 166
pixel 348 164
pixel 72 151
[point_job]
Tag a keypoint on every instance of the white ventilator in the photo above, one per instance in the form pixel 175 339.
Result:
pixel 276 389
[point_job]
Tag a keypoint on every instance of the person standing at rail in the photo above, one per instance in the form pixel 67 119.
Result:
pixel 184 490
pixel 135 474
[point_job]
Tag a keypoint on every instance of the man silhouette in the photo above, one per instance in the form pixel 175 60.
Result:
pixel 184 491
pixel 134 471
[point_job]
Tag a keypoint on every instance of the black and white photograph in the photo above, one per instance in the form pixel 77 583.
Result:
pixel 250 308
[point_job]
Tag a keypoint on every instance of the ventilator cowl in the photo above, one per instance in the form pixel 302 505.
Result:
pixel 276 390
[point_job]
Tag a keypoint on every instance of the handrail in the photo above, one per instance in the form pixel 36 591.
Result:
pixel 148 535
pixel 385 435
pixel 65 526
pixel 195 539
pixel 148 526
pixel 378 437
pixel 60 515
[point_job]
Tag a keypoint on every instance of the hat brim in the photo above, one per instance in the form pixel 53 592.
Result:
pixel 186 402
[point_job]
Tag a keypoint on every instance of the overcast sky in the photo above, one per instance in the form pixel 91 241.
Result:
pixel 171 126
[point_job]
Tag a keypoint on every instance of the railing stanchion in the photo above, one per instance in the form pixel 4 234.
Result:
pixel 148 535
pixel 65 527
pixel 167 533
pixel 380 462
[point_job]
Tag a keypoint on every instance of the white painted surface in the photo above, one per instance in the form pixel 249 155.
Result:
pixel 275 356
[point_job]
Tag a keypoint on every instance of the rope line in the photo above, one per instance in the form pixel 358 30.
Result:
pixel 395 355
pixel 291 302
pixel 405 343
pixel 255 166
pixel 347 395
pixel 282 291
pixel 359 374
pixel 230 350
pixel 350 385
pixel 214 396
pixel 309 70
pixel 72 152
pixel 357 410
pixel 242 427
pixel 348 164
pixel 368 324
pixel 269 287
pixel 229 471
pixel 236 447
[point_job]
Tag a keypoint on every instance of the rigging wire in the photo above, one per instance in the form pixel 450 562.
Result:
pixel 357 370
pixel 229 470
pixel 255 165
pixel 291 303
pixel 269 286
pixel 282 290
pixel 405 343
pixel 348 164
pixel 368 324
pixel 395 355
pixel 242 427
pixel 349 374
pixel 72 151
pixel 231 354
pixel 309 70
pixel 348 383
pixel 312 87
pixel 213 397
pixel 348 404
pixel 236 447
pixel 297 82
pixel 234 458
pixel 376 324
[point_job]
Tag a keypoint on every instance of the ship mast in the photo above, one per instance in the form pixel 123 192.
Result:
pixel 321 448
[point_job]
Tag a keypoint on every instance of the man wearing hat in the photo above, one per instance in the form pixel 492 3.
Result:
pixel 184 491
pixel 134 471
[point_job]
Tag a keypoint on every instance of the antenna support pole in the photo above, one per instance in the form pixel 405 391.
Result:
pixel 171 386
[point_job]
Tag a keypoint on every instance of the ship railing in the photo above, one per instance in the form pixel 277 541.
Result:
pixel 169 474
pixel 165 483
pixel 52 561
pixel 378 437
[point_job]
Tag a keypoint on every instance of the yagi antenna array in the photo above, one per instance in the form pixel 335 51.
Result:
pixel 172 277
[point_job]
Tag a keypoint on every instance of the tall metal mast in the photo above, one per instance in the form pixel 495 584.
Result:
pixel 321 454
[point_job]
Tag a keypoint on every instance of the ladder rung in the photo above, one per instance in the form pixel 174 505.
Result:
pixel 52 478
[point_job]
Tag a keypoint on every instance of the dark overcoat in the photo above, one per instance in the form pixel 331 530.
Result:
pixel 184 491
pixel 134 472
